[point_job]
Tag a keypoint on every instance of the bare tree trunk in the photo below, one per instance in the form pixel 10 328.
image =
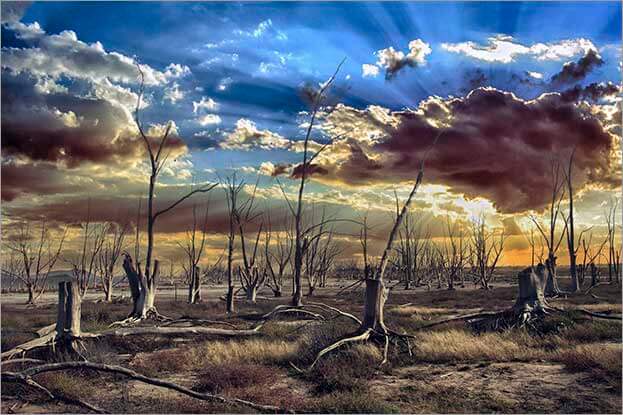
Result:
pixel 197 288
pixel 68 315
pixel 31 294
pixel 551 287
pixel 108 288
pixel 252 293
pixel 374 302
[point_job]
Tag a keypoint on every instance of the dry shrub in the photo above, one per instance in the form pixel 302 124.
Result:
pixel 347 370
pixel 218 378
pixel 594 331
pixel 64 383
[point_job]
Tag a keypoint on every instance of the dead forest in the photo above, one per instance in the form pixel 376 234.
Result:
pixel 279 322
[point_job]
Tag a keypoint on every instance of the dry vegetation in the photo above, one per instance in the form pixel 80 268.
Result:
pixel 452 369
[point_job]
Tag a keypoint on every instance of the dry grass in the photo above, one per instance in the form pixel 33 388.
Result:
pixel 604 358
pixel 215 352
pixel 461 345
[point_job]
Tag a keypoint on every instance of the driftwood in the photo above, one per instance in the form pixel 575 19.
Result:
pixel 25 377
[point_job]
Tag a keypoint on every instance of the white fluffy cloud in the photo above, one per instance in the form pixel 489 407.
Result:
pixel 368 70
pixel 204 104
pixel 246 136
pixel 505 49
pixel 64 54
pixel 173 93
pixel 209 119
pixel 393 60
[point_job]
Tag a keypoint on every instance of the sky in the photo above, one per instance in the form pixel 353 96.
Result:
pixel 509 87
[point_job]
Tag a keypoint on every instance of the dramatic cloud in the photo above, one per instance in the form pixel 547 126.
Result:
pixel 65 55
pixel 576 71
pixel 246 136
pixel 494 145
pixel 504 49
pixel 66 128
pixel 393 60
pixel 592 92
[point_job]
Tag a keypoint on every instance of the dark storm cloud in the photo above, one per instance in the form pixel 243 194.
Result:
pixel 494 145
pixel 12 11
pixel 312 170
pixel 592 92
pixel 576 71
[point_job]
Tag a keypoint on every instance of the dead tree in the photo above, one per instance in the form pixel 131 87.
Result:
pixel 318 99
pixel 614 250
pixel 109 256
pixel 412 243
pixel 86 264
pixel 372 326
pixel 589 258
pixel 572 247
pixel 38 256
pixel 549 236
pixel 252 274
pixel 143 282
pixel 232 190
pixel 193 249
pixel 453 254
pixel 69 312
pixel 319 257
pixel 487 248
pixel 278 258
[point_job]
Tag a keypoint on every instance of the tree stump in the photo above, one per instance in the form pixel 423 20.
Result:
pixel 68 314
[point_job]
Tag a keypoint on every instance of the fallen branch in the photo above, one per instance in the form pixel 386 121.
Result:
pixel 26 375
pixel 196 321
pixel 27 381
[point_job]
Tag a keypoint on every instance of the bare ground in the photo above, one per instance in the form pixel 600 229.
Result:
pixel 573 369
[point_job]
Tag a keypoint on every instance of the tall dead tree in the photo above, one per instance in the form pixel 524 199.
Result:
pixel 572 247
pixel 38 256
pixel 487 248
pixel 109 256
pixel 413 239
pixel 193 249
pixel 614 250
pixel 453 254
pixel 143 281
pixel 317 100
pixel 589 259
pixel 552 242
pixel 232 190
pixel 86 263
pixel 252 274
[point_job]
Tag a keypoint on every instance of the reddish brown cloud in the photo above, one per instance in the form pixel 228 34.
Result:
pixel 496 146
pixel 312 170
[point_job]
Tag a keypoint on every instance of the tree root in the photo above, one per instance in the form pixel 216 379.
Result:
pixel 25 377
pixel 132 320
